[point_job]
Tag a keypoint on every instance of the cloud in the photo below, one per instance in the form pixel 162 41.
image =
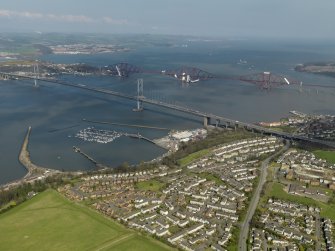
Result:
pixel 36 15
pixel 110 20
pixel 25 14
pixel 60 18
pixel 70 18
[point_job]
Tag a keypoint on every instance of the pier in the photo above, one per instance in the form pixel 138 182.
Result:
pixel 139 136
pixel 24 158
pixel 127 125
pixel 97 165
pixel 77 150
pixel 35 172
pixel 299 114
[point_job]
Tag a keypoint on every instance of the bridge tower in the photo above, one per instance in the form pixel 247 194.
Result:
pixel 266 80
pixel 36 74
pixel 140 95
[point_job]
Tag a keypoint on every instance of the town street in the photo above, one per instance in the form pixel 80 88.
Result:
pixel 242 243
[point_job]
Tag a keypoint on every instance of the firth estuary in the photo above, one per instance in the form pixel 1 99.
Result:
pixel 58 113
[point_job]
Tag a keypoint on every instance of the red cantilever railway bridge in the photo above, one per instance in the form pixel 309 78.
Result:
pixel 265 80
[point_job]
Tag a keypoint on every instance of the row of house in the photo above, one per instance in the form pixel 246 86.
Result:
pixel 304 167
pixel 196 209
pixel 328 234
pixel 287 224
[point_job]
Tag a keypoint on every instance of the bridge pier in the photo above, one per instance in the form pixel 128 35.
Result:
pixel 36 72
pixel 139 106
pixel 217 123
pixel 207 121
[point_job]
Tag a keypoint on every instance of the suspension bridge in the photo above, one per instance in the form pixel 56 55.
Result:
pixel 208 118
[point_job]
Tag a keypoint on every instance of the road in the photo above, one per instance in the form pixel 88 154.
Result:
pixel 318 233
pixel 242 242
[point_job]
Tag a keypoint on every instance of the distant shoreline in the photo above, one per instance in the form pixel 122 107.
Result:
pixel 322 68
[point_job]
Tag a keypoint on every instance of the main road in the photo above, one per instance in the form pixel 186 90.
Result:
pixel 245 225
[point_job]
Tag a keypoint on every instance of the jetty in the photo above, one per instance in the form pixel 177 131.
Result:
pixel 127 125
pixel 139 136
pixel 24 158
pixel 77 150
pixel 299 114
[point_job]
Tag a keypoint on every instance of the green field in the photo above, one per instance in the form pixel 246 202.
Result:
pixel 211 177
pixel 51 222
pixel 276 190
pixel 139 243
pixel 150 185
pixel 327 155
pixel 233 242
pixel 192 157
pixel 287 129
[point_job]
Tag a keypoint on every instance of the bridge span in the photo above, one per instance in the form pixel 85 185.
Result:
pixel 207 117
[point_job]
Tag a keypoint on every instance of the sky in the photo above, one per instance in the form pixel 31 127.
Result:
pixel 215 18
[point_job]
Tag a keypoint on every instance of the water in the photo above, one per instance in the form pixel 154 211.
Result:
pixel 56 112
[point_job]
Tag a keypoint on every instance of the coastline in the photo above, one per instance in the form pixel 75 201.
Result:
pixel 34 172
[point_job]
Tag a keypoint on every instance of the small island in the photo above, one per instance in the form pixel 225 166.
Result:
pixel 323 68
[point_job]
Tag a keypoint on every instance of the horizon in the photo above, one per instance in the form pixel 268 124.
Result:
pixel 304 19
pixel 206 38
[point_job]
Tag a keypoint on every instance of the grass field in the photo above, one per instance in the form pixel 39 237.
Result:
pixel 233 243
pixel 327 155
pixel 276 190
pixel 211 177
pixel 150 185
pixel 139 243
pixel 51 222
pixel 192 157
pixel 287 129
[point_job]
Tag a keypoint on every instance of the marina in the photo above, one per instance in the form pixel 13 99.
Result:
pixel 91 134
